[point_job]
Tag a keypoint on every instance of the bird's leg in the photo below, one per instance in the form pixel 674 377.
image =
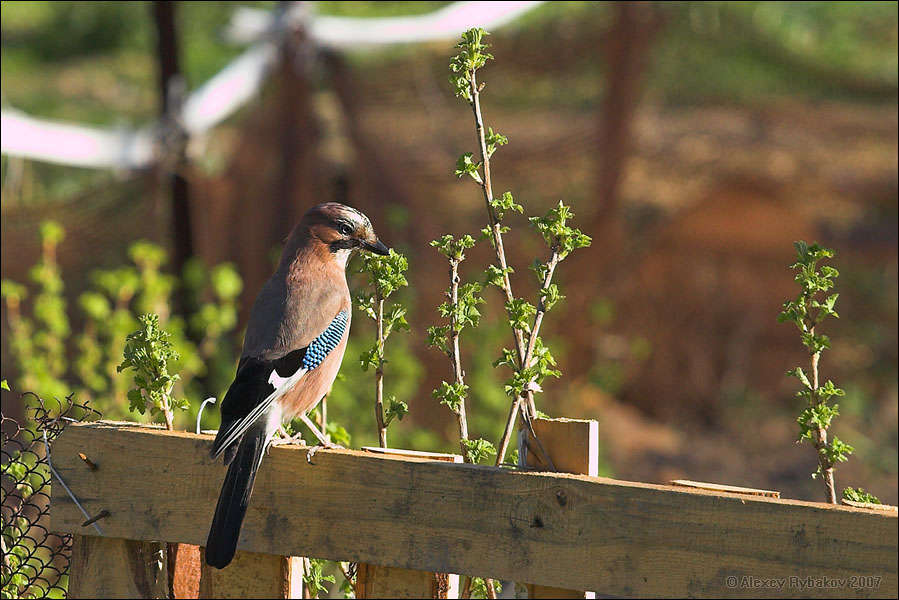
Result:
pixel 324 440
pixel 285 438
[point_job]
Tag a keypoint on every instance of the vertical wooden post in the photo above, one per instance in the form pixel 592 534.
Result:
pixel 169 74
pixel 253 575
pixel 104 567
pixel 573 447
pixel 184 562
pixel 375 581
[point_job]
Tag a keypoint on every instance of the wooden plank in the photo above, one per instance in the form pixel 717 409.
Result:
pixel 870 505
pixel 616 537
pixel 573 447
pixel 184 570
pixel 254 575
pixel 717 487
pixel 572 444
pixel 104 567
pixel 376 581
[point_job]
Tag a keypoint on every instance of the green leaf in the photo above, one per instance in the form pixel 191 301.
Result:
pixel 452 248
pixel 396 409
pixel 437 338
pixel 478 450
pixel 338 434
pixel 496 276
pixel 451 395
pixel 4 385
pixel 472 56
pixel 314 576
pixel 492 140
pixel 799 374
pixel 860 495
pixel 386 274
pixel 466 166
pixel 148 352
pixel 520 312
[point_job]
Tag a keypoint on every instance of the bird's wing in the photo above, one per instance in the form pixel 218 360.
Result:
pixel 260 382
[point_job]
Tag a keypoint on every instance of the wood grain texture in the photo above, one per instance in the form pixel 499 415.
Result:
pixel 376 581
pixel 616 537
pixel 184 570
pixel 104 567
pixel 253 575
pixel 718 487
pixel 573 447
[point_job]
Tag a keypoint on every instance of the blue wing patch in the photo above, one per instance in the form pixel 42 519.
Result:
pixel 321 346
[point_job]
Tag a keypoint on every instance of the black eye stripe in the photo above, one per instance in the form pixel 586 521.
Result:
pixel 343 244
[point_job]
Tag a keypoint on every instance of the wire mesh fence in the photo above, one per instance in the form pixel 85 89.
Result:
pixel 35 560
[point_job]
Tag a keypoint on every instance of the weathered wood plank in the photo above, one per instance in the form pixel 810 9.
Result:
pixel 572 444
pixel 104 567
pixel 573 447
pixel 615 537
pixel 717 487
pixel 375 581
pixel 184 562
pixel 253 575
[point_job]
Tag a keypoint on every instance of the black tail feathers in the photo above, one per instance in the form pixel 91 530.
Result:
pixel 233 499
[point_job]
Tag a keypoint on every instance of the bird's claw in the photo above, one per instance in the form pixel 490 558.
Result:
pixel 289 440
pixel 312 451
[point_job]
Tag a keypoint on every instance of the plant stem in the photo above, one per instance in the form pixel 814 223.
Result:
pixel 497 237
pixel 821 435
pixel 379 377
pixel 456 356
pixel 528 357
pixel 465 592
pixel 507 431
pixel 487 187
pixel 541 311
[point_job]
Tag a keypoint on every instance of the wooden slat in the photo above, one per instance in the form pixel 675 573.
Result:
pixel 573 447
pixel 718 487
pixel 615 537
pixel 104 567
pixel 376 581
pixel 870 505
pixel 253 575
pixel 184 570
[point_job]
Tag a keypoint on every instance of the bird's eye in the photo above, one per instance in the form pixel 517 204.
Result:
pixel 344 229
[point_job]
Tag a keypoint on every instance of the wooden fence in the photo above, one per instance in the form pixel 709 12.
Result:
pixel 401 514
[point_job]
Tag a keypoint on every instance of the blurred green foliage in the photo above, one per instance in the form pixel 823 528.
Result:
pixel 53 360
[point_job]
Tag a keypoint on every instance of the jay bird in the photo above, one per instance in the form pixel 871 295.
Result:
pixel 292 350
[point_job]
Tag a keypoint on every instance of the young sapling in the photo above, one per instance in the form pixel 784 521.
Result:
pixel 529 359
pixel 807 311
pixel 386 274
pixel 460 310
pixel 148 352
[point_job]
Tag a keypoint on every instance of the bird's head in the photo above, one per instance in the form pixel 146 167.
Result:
pixel 342 230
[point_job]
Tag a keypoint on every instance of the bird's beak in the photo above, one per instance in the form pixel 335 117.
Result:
pixel 378 247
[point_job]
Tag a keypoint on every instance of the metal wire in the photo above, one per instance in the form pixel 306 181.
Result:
pixel 35 560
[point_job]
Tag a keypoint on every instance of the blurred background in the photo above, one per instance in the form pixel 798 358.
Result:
pixel 156 154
